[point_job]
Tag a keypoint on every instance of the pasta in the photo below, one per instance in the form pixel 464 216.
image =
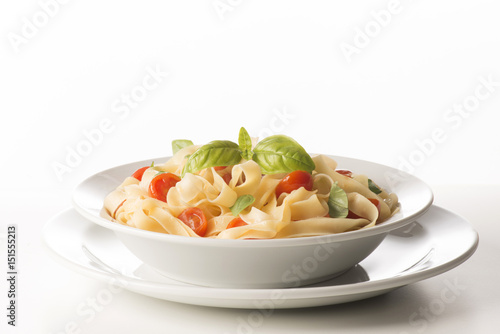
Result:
pixel 219 191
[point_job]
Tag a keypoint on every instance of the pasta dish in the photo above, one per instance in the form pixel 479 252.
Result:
pixel 248 190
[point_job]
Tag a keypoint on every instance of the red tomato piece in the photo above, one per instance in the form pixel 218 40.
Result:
pixel 225 174
pixel 344 172
pixel 236 222
pixel 352 215
pixel 161 184
pixel 376 203
pixel 195 219
pixel 138 173
pixel 227 178
pixel 293 181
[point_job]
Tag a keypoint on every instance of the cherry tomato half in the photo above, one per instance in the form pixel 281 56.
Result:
pixel 195 219
pixel 138 173
pixel 376 203
pixel 161 184
pixel 236 222
pixel 293 181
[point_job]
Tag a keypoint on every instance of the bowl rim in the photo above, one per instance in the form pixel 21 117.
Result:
pixel 384 227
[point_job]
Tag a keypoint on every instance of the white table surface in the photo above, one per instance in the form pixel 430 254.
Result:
pixel 50 295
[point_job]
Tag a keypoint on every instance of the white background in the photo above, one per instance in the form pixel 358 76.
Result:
pixel 375 80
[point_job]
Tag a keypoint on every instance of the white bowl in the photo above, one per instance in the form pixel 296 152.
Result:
pixel 274 263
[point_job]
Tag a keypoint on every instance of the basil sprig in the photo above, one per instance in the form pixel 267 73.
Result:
pixel 274 154
pixel 241 204
pixel 213 154
pixel 281 154
pixel 338 204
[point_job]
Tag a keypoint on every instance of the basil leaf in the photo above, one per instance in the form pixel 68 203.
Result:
pixel 180 144
pixel 373 187
pixel 241 204
pixel 245 143
pixel 281 154
pixel 215 153
pixel 337 202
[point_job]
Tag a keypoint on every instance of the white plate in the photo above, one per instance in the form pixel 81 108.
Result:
pixel 436 243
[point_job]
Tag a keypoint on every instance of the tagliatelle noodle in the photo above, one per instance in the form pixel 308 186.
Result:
pixel 116 198
pixel 246 178
pixel 308 208
pixel 128 191
pixel 218 224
